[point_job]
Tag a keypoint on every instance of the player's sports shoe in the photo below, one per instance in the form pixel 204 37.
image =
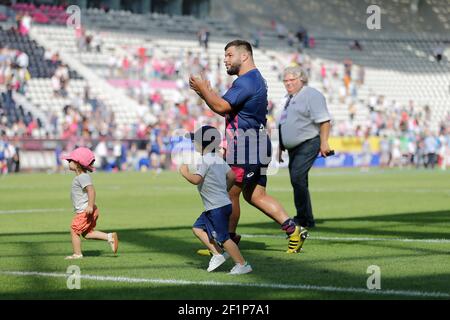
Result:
pixel 296 239
pixel 241 269
pixel 74 256
pixel 216 261
pixel 114 242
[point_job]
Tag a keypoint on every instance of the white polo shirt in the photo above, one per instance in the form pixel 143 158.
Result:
pixel 301 120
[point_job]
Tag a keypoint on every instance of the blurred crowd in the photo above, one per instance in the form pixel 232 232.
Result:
pixel 14 72
pixel 404 138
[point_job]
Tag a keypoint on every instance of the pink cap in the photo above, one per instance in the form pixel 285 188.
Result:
pixel 83 156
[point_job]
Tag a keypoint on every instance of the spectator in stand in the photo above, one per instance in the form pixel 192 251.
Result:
pixel 97 42
pixel 56 85
pixel 355 45
pixel 101 153
pixel 25 24
pixel 348 63
pixel 281 30
pixel 117 153
pixel 301 34
pixel 80 38
pixel 361 75
pixel 88 41
pixel 11 157
pixel 438 51
pixel 203 38
pixel 312 42
pixel 256 39
pixel 3 148
pixel 290 39
pixel 431 149
pixel 323 72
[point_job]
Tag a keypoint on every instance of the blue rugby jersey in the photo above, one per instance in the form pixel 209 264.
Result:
pixel 246 136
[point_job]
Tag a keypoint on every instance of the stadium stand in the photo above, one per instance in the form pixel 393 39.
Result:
pixel 140 63
pixel 345 19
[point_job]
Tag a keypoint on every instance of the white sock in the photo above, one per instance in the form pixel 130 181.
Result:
pixel 110 239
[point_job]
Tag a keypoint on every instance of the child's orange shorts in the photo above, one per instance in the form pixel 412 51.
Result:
pixel 84 223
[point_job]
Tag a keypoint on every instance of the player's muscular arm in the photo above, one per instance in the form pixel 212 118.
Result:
pixel 214 102
pixel 91 199
pixel 217 104
pixel 192 178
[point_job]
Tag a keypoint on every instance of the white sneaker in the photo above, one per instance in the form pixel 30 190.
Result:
pixel 241 269
pixel 74 256
pixel 216 261
pixel 114 242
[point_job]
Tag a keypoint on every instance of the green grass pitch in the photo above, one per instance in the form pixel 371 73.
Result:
pixel 398 220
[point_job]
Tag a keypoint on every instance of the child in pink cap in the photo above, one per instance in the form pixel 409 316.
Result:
pixel 83 199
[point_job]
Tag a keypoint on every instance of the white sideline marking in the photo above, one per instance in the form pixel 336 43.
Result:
pixel 32 210
pixel 365 190
pixel 351 238
pixel 236 284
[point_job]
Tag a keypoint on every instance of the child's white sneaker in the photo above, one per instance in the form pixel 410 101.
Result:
pixel 113 241
pixel 216 261
pixel 74 256
pixel 241 269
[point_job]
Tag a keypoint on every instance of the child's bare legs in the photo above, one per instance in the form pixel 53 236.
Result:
pixel 76 240
pixel 96 235
pixel 203 236
pixel 76 243
pixel 112 238
pixel 233 250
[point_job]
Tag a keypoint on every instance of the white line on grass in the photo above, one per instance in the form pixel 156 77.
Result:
pixel 350 238
pixel 423 294
pixel 322 189
pixel 32 210
pixel 367 190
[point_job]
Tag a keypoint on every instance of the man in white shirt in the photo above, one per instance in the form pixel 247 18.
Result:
pixel 304 127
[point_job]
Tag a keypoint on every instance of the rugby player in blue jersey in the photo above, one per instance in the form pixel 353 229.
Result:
pixel 248 147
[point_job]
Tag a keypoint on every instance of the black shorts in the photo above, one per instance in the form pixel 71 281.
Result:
pixel 250 175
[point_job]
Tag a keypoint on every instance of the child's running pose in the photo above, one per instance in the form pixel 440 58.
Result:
pixel 83 199
pixel 214 177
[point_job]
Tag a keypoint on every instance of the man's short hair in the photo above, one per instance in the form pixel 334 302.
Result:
pixel 297 72
pixel 242 44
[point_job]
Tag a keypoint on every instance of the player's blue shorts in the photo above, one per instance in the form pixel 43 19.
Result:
pixel 215 223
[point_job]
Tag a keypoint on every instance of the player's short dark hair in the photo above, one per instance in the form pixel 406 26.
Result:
pixel 240 44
